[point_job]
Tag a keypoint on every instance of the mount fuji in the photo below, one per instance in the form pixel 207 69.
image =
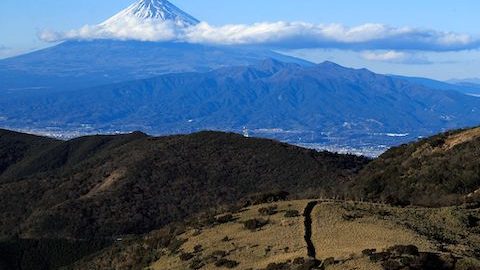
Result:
pixel 80 63
pixel 152 10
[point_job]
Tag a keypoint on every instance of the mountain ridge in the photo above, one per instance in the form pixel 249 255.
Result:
pixel 462 87
pixel 80 64
pixel 137 183
pixel 436 171
pixel 293 99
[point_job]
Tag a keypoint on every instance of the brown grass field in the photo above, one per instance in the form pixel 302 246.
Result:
pixel 341 230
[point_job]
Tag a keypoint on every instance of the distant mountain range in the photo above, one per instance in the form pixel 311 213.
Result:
pixel 468 87
pixel 105 86
pixel 467 80
pixel 80 64
pixel 303 104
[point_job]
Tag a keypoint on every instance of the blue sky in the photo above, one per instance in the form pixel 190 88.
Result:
pixel 20 24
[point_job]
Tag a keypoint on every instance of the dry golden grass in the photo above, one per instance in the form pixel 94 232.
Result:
pixel 107 183
pixel 461 137
pixel 251 249
pixel 449 222
pixel 333 236
pixel 450 142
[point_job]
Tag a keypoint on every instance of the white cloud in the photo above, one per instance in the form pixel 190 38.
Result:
pixel 293 35
pixel 392 56
pixel 384 56
pixel 130 28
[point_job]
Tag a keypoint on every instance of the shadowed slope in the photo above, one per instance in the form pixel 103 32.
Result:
pixel 112 185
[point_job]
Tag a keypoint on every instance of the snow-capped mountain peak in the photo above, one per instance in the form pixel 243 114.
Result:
pixel 153 10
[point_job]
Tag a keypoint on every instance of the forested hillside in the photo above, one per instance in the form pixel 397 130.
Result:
pixel 441 170
pixel 102 186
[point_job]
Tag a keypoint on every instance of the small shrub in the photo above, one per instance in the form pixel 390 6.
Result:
pixel 224 218
pixel 404 250
pixel 384 213
pixel 226 239
pixel 402 257
pixel 392 265
pixel 278 266
pixel 368 252
pixel 472 221
pixel 407 260
pixel 395 201
pixel 328 262
pixel 196 264
pixel 352 216
pixel 254 224
pixel 197 249
pixel 226 263
pixel 292 214
pixel 437 141
pixel 432 261
pixel 186 256
pixel 175 245
pixel 448 261
pixel 267 198
pixel 309 264
pixel 208 221
pixel 268 211
pixel 380 256
pixel 299 260
pixel 219 254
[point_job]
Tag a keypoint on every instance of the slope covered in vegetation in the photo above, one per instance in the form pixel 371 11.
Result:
pixel 346 235
pixel 440 170
pixel 133 201
pixel 102 186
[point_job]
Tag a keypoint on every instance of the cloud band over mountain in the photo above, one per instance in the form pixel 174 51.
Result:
pixel 292 35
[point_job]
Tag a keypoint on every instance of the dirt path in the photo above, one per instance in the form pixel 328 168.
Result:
pixel 307 213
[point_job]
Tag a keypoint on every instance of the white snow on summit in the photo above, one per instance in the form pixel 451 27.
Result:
pixel 152 11
pixel 161 21
pixel 145 20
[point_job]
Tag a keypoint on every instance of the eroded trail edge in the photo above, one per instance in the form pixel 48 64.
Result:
pixel 307 213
